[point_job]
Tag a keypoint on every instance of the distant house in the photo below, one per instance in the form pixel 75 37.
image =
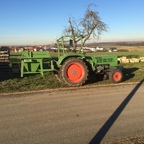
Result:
pixel 99 48
pixel 91 49
pixel 30 48
pixel 112 49
pixel 16 49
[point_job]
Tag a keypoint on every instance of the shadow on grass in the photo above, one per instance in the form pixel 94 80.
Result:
pixel 108 124
pixel 128 73
pixel 6 75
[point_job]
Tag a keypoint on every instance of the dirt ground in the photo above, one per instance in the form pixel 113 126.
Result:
pixel 90 114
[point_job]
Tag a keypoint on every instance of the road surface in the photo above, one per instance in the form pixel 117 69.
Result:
pixel 97 114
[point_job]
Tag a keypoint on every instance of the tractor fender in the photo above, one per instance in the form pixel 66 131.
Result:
pixel 67 56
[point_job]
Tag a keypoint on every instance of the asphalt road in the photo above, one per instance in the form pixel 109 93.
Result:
pixel 75 116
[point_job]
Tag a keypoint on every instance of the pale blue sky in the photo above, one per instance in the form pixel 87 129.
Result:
pixel 42 21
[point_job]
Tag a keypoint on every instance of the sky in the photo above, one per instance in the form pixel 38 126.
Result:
pixel 34 22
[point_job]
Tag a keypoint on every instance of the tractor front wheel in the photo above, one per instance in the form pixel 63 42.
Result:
pixel 116 76
pixel 74 72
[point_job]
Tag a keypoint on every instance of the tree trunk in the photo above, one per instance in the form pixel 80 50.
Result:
pixel 73 35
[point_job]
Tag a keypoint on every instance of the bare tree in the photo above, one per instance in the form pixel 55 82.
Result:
pixel 90 25
pixel 72 33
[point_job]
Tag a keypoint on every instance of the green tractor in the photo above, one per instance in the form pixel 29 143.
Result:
pixel 75 68
pixel 72 66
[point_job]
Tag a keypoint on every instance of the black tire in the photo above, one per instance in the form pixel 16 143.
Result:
pixel 74 72
pixel 116 76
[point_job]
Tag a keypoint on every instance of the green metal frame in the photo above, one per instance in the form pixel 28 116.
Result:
pixel 63 40
pixel 36 62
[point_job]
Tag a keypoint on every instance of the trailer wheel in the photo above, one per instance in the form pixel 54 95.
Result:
pixel 74 72
pixel 116 76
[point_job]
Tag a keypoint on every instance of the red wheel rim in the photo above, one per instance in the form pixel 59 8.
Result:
pixel 75 72
pixel 117 76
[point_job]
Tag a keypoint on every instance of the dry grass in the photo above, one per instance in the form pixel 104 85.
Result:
pixel 132 140
pixel 129 48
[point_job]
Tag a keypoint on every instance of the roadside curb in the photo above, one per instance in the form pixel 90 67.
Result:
pixel 68 88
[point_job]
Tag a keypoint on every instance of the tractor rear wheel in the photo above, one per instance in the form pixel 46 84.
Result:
pixel 74 72
pixel 116 76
